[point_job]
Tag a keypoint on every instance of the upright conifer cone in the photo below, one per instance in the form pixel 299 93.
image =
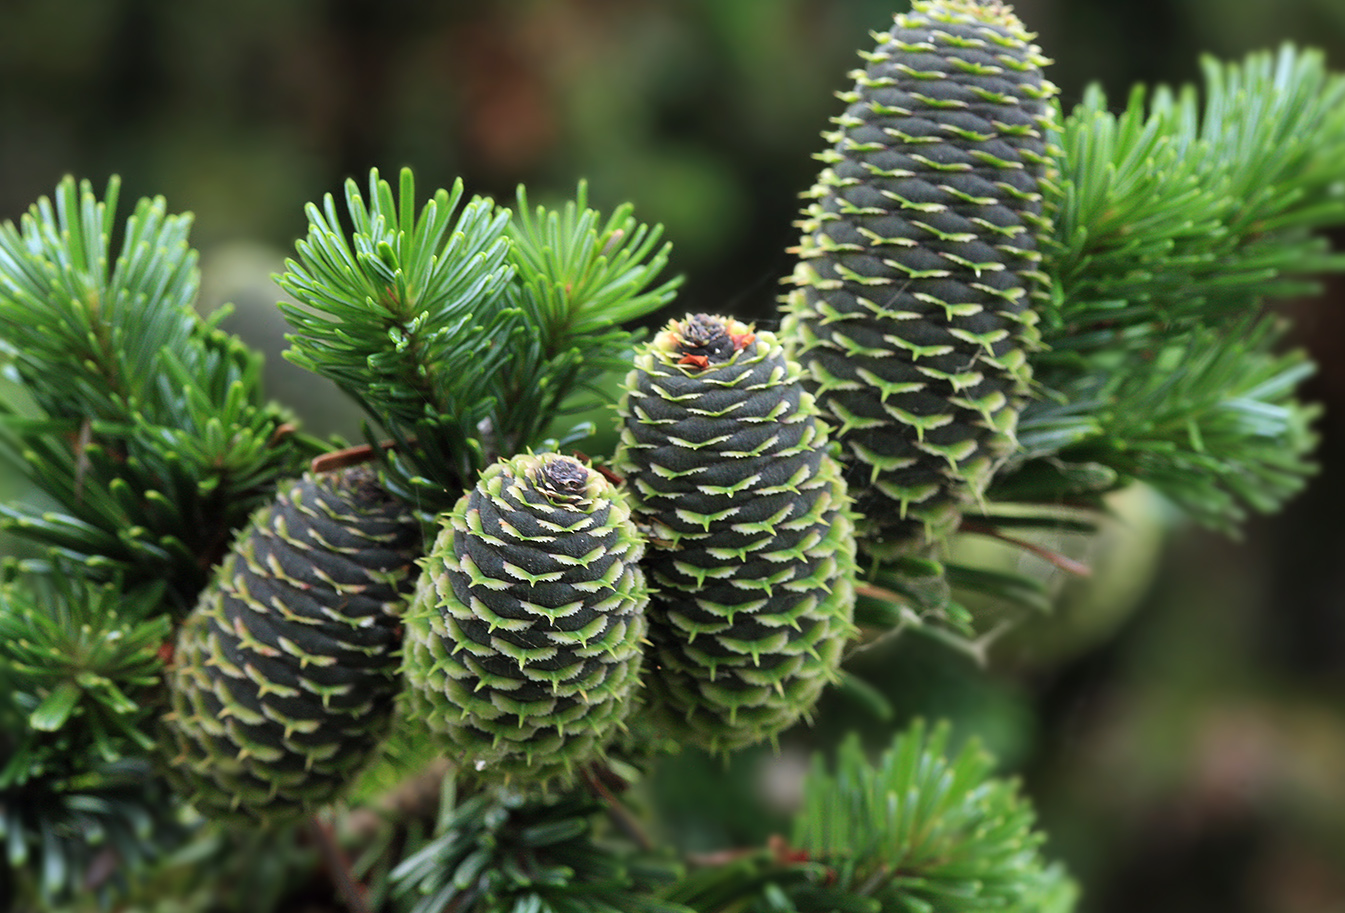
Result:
pixel 524 639
pixel 752 567
pixel 913 306
pixel 283 677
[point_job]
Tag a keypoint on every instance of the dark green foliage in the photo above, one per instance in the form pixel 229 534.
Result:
pixel 576 280
pixel 1177 214
pixel 465 336
pixel 151 433
pixel 1212 421
pixel 523 643
pixel 226 870
pixel 918 831
pixel 80 831
pixel 753 557
pixel 919 270
pixel 1174 220
pixel 764 882
pixel 78 666
pixel 284 676
pixel 397 313
pixel 504 854
pixel 78 662
pixel 922 830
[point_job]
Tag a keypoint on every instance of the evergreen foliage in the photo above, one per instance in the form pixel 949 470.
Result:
pixel 470 333
pixel 506 854
pixel 79 659
pixel 150 434
pixel 578 279
pixel 921 830
pixel 465 337
pixel 1178 213
pixel 403 313
pixel 1174 220
pixel 89 827
pixel 78 663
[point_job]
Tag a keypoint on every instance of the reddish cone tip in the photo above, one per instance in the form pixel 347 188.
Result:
pixel 706 338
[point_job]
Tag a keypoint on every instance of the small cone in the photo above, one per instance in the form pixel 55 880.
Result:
pixel 524 638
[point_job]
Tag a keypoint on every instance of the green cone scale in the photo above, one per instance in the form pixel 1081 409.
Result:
pixel 525 635
pixel 284 676
pixel 752 565
pixel 918 267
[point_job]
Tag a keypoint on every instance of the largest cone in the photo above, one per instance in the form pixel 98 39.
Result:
pixel 912 311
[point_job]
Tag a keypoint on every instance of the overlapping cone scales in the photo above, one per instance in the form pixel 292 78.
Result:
pixel 283 677
pixel 912 311
pixel 524 638
pixel 752 564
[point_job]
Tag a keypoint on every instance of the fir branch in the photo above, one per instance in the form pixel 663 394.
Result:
pixel 406 314
pixel 84 329
pixel 151 434
pixel 1175 215
pixel 921 831
pixel 1211 421
pixel 578 278
pixel 1173 221
pixel 77 662
pixel 93 834
pixel 503 854
pixel 760 881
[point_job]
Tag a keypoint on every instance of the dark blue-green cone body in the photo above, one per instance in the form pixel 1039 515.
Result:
pixel 918 270
pixel 752 546
pixel 524 641
pixel 284 676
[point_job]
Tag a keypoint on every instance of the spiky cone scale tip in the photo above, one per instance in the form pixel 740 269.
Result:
pixel 913 307
pixel 284 676
pixel 752 557
pixel 524 640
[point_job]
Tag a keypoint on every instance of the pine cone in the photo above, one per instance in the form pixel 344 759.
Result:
pixel 523 642
pixel 284 676
pixel 754 583
pixel 919 266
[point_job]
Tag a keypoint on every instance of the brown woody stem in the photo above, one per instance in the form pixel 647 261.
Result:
pixel 1069 565
pixel 338 867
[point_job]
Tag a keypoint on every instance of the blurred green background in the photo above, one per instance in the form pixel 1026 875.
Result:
pixel 1181 724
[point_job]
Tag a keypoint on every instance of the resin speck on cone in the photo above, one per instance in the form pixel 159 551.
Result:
pixel 752 553
pixel 524 639
pixel 284 676
pixel 913 307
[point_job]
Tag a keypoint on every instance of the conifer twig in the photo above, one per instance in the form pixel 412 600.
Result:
pixel 415 797
pixel 617 811
pixel 878 592
pixel 1054 558
pixel 338 867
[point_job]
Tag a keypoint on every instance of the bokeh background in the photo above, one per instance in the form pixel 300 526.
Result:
pixel 1181 724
